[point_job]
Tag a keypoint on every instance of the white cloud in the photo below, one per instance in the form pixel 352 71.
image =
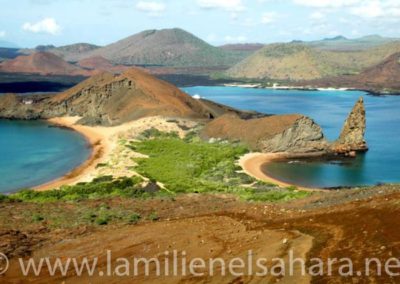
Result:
pixel 235 39
pixel 2 33
pixel 152 8
pixel 227 5
pixel 269 17
pixel 369 10
pixel 377 8
pixel 327 3
pixel 317 16
pixel 47 25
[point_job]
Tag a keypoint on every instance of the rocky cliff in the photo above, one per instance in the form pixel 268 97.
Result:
pixel 295 133
pixel 277 133
pixel 108 99
pixel 352 136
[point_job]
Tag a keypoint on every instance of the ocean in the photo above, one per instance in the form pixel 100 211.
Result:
pixel 381 164
pixel 33 153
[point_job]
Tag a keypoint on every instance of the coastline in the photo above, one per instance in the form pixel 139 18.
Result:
pixel 106 149
pixel 99 149
pixel 104 140
pixel 252 163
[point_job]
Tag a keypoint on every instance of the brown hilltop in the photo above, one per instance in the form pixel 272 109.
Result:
pixel 382 77
pixel 131 95
pixel 277 133
pixel 44 63
pixel 386 73
pixel 109 99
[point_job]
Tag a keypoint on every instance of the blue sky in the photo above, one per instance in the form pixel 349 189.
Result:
pixel 28 23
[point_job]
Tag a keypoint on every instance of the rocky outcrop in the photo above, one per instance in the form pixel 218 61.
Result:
pixel 352 136
pixel 108 99
pixel 292 134
pixel 277 133
pixel 303 136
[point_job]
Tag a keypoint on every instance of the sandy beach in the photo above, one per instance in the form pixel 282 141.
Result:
pixel 97 139
pixel 252 165
pixel 118 159
pixel 106 149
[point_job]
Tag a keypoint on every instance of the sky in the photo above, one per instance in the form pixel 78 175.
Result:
pixel 28 23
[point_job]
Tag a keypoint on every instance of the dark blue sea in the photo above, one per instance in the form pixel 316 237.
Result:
pixel 329 109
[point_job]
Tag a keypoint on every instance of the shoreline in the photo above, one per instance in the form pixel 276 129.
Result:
pixel 252 163
pixel 101 141
pixel 99 148
pixel 104 142
pixel 371 92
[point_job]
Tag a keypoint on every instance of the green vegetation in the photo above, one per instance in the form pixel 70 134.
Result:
pixel 37 218
pixel 300 61
pixel 193 166
pixel 134 218
pixel 186 165
pixel 99 188
pixel 154 217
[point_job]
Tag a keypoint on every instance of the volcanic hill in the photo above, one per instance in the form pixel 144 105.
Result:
pixel 383 77
pixel 300 61
pixel 44 63
pixel 168 47
pixel 70 53
pixel 109 99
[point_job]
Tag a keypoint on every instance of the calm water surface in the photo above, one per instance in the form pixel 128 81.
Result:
pixel 32 153
pixel 329 109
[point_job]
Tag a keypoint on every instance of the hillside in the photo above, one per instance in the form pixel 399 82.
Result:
pixel 101 64
pixel 168 47
pixel 341 43
pixel 383 77
pixel 246 47
pixel 242 50
pixel 297 62
pixel 108 99
pixel 386 72
pixel 70 53
pixel 282 62
pixel 44 63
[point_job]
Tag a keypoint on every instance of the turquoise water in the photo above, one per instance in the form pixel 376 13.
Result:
pixel 32 153
pixel 329 109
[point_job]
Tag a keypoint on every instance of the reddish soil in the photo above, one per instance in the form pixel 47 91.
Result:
pixel 44 63
pixel 383 76
pixel 356 224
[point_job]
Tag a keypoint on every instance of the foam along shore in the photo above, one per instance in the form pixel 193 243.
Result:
pixel 252 164
pixel 281 87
